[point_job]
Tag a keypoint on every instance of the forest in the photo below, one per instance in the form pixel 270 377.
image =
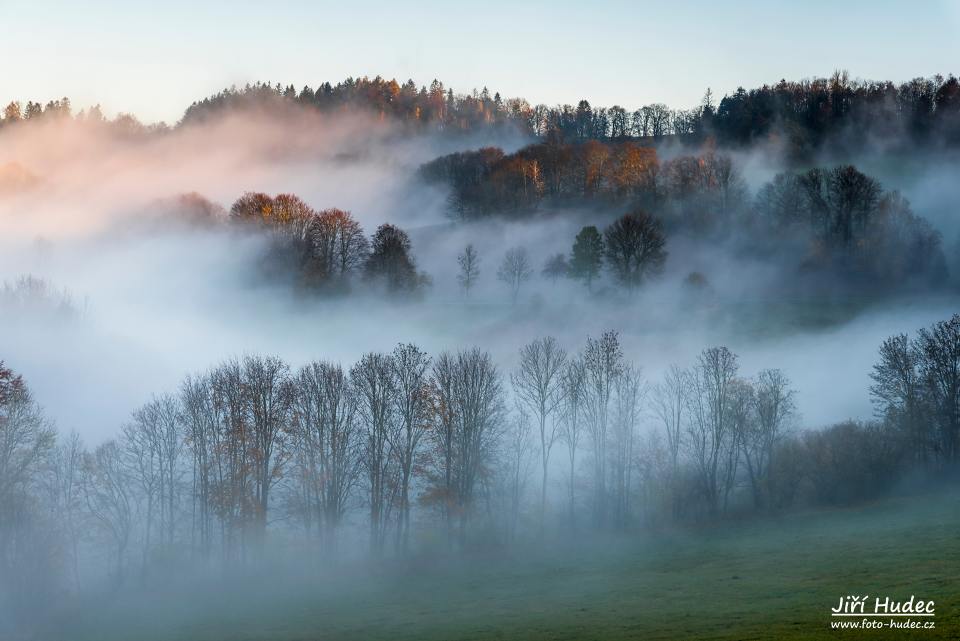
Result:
pixel 369 330
pixel 806 115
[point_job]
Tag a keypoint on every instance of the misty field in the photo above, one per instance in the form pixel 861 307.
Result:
pixel 769 578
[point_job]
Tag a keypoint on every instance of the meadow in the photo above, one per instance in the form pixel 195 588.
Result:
pixel 764 578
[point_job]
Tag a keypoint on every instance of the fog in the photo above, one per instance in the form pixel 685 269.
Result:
pixel 159 301
pixel 127 295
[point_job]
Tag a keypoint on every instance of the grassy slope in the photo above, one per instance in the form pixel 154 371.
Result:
pixel 767 579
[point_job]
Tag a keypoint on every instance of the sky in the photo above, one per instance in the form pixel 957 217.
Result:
pixel 153 59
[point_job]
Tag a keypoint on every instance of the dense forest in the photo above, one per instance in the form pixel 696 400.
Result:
pixel 834 230
pixel 803 116
pixel 837 225
pixel 806 113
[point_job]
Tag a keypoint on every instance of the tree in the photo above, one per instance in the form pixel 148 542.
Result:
pixel 235 460
pixel 556 268
pixel 202 419
pixel 898 393
pixel 572 410
pixel 325 407
pixel 390 261
pixel 108 497
pixel 939 348
pixel 603 365
pixel 515 270
pixel 253 208
pixel 338 246
pixel 587 256
pixel 842 202
pixel 293 217
pixel 851 200
pixel 444 424
pixel 26 441
pixel 669 400
pixel 628 395
pixel 469 263
pixel 538 385
pixel 268 392
pixel 518 446
pixel 373 382
pixel 709 432
pixel 140 445
pixel 773 409
pixel 634 248
pixel 25 437
pixel 12 113
pixel 412 409
pixel 475 404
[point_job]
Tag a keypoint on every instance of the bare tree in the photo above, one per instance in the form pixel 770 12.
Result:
pixel 202 419
pixel 469 262
pixel 669 401
pixel 477 408
pixel 538 385
pixel 556 268
pixel 151 446
pixel 411 408
pixel 372 379
pixel 338 244
pixel 109 501
pixel 444 423
pixel 139 446
pixel 774 408
pixel 628 395
pixel 269 395
pixel 603 365
pixel 518 447
pixel 939 349
pixel 574 398
pixel 25 436
pixel 742 422
pixel 443 426
pixel 897 391
pixel 234 462
pixel 66 495
pixel 325 417
pixel 515 270
pixel 26 440
pixel 708 406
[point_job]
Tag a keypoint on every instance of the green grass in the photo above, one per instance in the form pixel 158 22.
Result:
pixel 773 578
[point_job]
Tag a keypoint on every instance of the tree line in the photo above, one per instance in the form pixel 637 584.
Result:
pixel 837 228
pixel 438 453
pixel 631 250
pixel 325 250
pixel 842 222
pixel 806 115
pixel 328 251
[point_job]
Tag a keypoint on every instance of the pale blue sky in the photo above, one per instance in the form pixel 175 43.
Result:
pixel 153 59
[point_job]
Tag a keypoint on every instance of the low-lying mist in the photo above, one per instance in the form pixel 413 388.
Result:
pixel 160 300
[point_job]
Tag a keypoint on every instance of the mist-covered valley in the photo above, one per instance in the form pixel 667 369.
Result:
pixel 322 348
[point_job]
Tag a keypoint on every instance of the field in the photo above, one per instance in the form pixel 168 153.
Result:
pixel 774 578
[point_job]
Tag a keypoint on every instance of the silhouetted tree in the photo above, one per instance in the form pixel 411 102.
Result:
pixel 587 256
pixel 634 248
pixel 515 270
pixel 390 261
